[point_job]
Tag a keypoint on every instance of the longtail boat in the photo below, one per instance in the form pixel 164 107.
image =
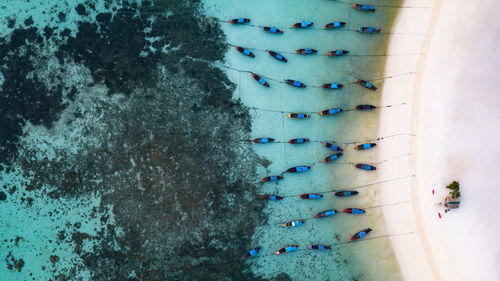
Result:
pixel 354 211
pixel 271 29
pixel 365 167
pixel 346 193
pixel 244 51
pixel 332 146
pixel 277 56
pixel 263 140
pixel 294 83
pixel 337 53
pixel 360 234
pixel 251 253
pixel 368 29
pixel 297 115
pixel 239 21
pixel 366 84
pixel 306 51
pixel 318 247
pixel 365 107
pixel 298 169
pixel 298 141
pixel 326 214
pixel 286 249
pixel 303 24
pixel 362 7
pixel 292 223
pixel 365 146
pixel 334 24
pixel 330 111
pixel 310 196
pixel 332 157
pixel 260 80
pixel 332 86
pixel 271 178
pixel 271 197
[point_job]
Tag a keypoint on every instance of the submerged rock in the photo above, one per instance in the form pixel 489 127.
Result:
pixel 3 196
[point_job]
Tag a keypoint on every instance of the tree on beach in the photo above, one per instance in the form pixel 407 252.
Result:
pixel 455 187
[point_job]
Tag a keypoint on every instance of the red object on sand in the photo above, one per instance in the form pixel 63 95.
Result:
pixel 433 192
pixel 439 215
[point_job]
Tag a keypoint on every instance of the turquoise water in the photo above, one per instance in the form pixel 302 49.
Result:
pixel 371 260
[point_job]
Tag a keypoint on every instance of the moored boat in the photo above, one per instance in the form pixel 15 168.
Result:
pixel 332 86
pixel 366 84
pixel 360 234
pixel 354 211
pixel 298 141
pixel 298 169
pixel 297 115
pixel 365 107
pixel 310 196
pixel 365 167
pixel 330 111
pixel 271 178
pixel 326 214
pixel 272 29
pixel 271 197
pixel 251 253
pixel 260 80
pixel 337 53
pixel 306 51
pixel 294 83
pixel 368 29
pixel 277 56
pixel 244 51
pixel 362 7
pixel 303 24
pixel 332 157
pixel 263 140
pixel 334 24
pixel 365 146
pixel 332 146
pixel 346 193
pixel 239 21
pixel 292 223
pixel 286 249
pixel 318 247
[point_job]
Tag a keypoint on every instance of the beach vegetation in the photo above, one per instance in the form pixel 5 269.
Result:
pixel 455 189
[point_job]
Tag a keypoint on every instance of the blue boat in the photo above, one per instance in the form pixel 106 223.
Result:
pixel 365 146
pixel 330 111
pixel 294 83
pixel 362 7
pixel 271 197
pixel 337 53
pixel 244 51
pixel 297 115
pixel 251 253
pixel 298 141
pixel 332 157
pixel 309 196
pixel 272 29
pixel 303 24
pixel 335 24
pixel 354 211
pixel 332 146
pixel 298 169
pixel 318 247
pixel 366 84
pixel 365 167
pixel 326 214
pixel 360 234
pixel 286 249
pixel 346 193
pixel 332 86
pixel 263 140
pixel 239 21
pixel 306 51
pixel 368 29
pixel 365 107
pixel 292 223
pixel 277 56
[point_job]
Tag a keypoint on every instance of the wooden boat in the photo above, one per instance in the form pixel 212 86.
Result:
pixel 239 21
pixel 286 249
pixel 271 197
pixel 368 29
pixel 251 253
pixel 360 234
pixel 310 196
pixel 354 211
pixel 294 83
pixel 244 51
pixel 271 178
pixel 365 146
pixel 334 24
pixel 361 7
pixel 306 51
pixel 260 80
pixel 365 167
pixel 272 29
pixel 365 107
pixel 332 86
pixel 331 111
pixel 292 223
pixel 332 146
pixel 277 56
pixel 298 141
pixel 346 193
pixel 302 24
pixel 366 84
pixel 332 157
pixel 263 140
pixel 297 115
pixel 337 53
pixel 298 169
pixel 318 247
pixel 326 214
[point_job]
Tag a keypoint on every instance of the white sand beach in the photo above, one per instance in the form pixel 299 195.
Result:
pixel 453 115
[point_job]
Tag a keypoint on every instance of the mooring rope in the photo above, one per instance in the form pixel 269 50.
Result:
pixel 385 6
pixel 317 112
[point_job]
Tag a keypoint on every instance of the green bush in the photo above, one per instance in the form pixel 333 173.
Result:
pixel 455 187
